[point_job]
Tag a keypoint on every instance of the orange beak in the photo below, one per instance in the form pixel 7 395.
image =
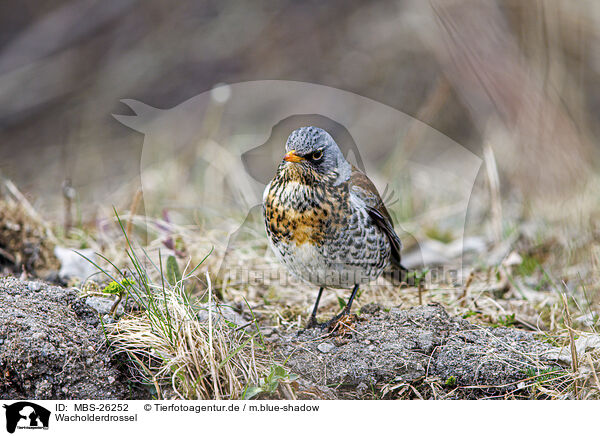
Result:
pixel 291 156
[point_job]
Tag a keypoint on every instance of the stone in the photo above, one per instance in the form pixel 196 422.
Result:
pixel 34 286
pixel 325 347
pixel 74 265
pixel 103 305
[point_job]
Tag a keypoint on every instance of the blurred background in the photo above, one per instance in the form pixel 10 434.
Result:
pixel 516 81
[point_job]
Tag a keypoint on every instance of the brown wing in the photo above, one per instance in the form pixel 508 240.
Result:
pixel 364 188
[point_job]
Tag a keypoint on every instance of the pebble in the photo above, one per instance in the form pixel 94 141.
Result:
pixel 362 387
pixel 34 286
pixel 103 305
pixel 41 336
pixel 325 347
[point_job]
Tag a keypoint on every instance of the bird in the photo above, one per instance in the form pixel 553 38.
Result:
pixel 326 221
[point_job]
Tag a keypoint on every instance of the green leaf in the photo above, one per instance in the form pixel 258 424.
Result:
pixel 252 391
pixel 279 372
pixel 173 273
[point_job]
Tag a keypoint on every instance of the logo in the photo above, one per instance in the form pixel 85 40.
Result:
pixel 26 415
pixel 212 155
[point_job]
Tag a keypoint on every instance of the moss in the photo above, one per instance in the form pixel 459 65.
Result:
pixel 505 321
pixel 450 382
pixel 469 314
pixel 115 288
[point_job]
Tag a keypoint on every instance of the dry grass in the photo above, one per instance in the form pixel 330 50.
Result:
pixel 177 344
pixel 183 357
pixel 26 240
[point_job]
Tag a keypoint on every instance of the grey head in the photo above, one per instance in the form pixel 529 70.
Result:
pixel 314 147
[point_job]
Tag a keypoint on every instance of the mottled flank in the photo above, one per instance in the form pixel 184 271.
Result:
pixel 324 218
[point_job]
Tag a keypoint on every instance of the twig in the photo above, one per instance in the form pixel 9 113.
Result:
pixel 132 210
pixel 210 339
pixel 574 363
pixel 463 298
pixel 593 369
pixel 68 195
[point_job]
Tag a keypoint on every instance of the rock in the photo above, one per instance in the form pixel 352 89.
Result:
pixel 512 259
pixel 107 319
pixel 587 342
pixel 407 346
pixel 425 341
pixel 432 252
pixel 362 388
pixel 589 319
pixel 325 347
pixel 34 286
pixel 103 305
pixel 74 265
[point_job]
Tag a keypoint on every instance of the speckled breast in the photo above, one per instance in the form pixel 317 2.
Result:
pixel 320 234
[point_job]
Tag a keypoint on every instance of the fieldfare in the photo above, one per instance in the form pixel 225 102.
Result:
pixel 325 219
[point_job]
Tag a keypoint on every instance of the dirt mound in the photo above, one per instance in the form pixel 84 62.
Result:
pixel 50 347
pixel 421 348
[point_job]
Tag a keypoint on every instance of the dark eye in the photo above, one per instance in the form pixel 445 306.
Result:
pixel 317 155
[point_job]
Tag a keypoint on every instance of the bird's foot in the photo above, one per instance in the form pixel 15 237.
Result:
pixel 341 324
pixel 312 323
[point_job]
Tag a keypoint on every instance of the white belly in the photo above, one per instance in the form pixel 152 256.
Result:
pixel 314 266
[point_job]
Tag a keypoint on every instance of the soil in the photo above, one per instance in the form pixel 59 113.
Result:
pixel 52 346
pixel 444 357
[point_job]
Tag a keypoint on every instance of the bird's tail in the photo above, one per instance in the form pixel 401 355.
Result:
pixel 399 275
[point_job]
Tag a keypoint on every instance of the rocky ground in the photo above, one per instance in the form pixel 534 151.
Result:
pixel 385 352
pixel 52 347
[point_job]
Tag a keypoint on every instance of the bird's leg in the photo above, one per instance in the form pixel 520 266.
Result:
pixel 312 321
pixel 331 323
pixel 346 310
